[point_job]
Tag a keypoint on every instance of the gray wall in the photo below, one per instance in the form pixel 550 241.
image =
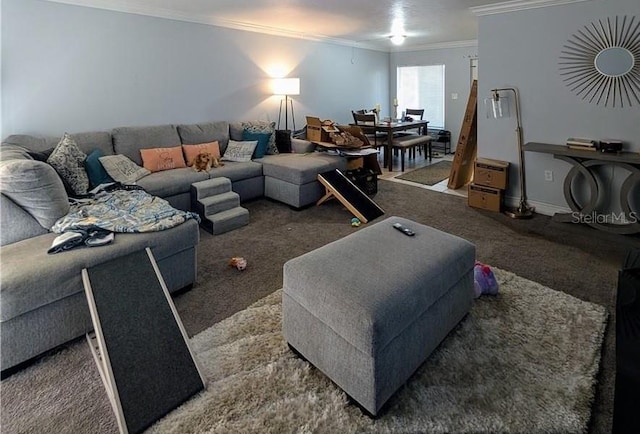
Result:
pixel 457 71
pixel 71 68
pixel 522 49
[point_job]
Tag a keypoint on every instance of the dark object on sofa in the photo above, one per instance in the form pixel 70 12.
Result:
pixel 283 141
pixel 626 418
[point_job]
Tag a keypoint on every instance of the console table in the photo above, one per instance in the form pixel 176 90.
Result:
pixel 583 162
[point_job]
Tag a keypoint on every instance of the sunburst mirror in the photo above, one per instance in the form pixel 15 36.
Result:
pixel 601 62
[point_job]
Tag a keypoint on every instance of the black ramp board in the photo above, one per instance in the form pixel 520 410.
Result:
pixel 152 366
pixel 352 194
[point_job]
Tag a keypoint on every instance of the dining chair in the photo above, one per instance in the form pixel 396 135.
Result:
pixel 367 123
pixel 414 113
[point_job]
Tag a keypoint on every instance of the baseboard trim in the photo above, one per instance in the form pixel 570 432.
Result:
pixel 543 208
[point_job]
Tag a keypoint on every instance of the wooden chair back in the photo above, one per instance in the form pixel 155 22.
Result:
pixel 415 112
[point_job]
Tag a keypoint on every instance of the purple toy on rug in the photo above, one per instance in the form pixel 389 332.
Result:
pixel 484 282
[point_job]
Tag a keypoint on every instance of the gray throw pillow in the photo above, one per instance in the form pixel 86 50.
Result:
pixel 240 151
pixel 68 160
pixel 35 187
pixel 122 169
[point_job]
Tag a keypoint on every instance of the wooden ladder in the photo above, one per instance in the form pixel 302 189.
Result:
pixel 465 154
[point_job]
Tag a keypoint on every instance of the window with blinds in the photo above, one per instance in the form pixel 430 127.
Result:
pixel 422 87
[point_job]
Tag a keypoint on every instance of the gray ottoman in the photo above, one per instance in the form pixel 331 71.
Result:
pixel 368 309
pixel 293 178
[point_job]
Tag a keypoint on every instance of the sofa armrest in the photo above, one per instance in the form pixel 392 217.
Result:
pixel 302 146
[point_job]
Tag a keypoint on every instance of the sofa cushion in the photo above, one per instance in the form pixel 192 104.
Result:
pixel 129 140
pixel 302 146
pixel 95 169
pixel 236 171
pixel 159 159
pixel 240 152
pixel 10 151
pixel 68 160
pixel 204 133
pixel 87 142
pixel 192 151
pixel 171 182
pixel 122 169
pixel 15 223
pixel 94 140
pixel 299 168
pixel 60 275
pixel 36 187
pixel 32 143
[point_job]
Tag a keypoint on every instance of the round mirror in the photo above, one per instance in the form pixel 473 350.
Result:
pixel 601 62
pixel 614 61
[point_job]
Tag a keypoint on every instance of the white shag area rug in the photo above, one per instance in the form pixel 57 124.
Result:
pixel 523 361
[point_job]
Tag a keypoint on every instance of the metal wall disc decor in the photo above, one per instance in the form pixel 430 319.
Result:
pixel 601 62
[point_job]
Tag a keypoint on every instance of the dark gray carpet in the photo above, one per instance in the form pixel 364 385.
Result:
pixel 567 257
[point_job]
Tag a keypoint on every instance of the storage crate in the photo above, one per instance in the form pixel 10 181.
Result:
pixel 365 179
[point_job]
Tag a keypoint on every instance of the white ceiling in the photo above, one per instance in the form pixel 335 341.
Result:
pixel 363 23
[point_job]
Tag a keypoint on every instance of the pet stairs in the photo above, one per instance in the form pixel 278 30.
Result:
pixel 218 206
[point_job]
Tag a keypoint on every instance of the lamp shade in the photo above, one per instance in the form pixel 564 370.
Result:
pixel 286 86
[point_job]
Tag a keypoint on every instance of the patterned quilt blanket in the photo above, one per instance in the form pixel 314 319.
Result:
pixel 123 211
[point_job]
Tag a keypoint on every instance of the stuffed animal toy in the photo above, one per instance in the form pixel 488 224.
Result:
pixel 484 282
pixel 238 262
pixel 355 222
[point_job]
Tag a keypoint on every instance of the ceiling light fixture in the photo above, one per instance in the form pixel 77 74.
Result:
pixel 397 39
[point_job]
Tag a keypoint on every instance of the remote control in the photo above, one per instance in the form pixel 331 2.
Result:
pixel 404 229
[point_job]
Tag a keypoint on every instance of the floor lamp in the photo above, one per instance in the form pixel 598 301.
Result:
pixel 286 87
pixel 523 210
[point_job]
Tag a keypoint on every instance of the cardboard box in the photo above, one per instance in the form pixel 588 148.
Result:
pixel 491 173
pixel 316 132
pixel 484 197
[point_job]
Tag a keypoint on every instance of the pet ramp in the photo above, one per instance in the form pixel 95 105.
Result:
pixel 139 344
pixel 339 186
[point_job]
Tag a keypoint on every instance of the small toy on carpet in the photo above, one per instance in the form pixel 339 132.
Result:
pixel 484 282
pixel 238 262
pixel 355 222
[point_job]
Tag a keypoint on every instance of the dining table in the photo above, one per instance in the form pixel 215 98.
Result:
pixel 393 127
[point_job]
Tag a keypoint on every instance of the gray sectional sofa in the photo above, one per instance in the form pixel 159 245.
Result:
pixel 42 301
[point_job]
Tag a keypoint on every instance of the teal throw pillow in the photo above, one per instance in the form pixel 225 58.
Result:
pixel 95 169
pixel 263 142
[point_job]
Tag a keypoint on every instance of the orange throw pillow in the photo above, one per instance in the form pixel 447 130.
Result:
pixel 192 151
pixel 158 159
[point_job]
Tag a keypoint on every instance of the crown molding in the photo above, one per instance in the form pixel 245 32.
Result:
pixel 518 5
pixel 437 46
pixel 127 7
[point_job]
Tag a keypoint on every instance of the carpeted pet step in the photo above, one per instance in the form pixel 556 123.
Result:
pixel 226 221
pixel 209 187
pixel 218 203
